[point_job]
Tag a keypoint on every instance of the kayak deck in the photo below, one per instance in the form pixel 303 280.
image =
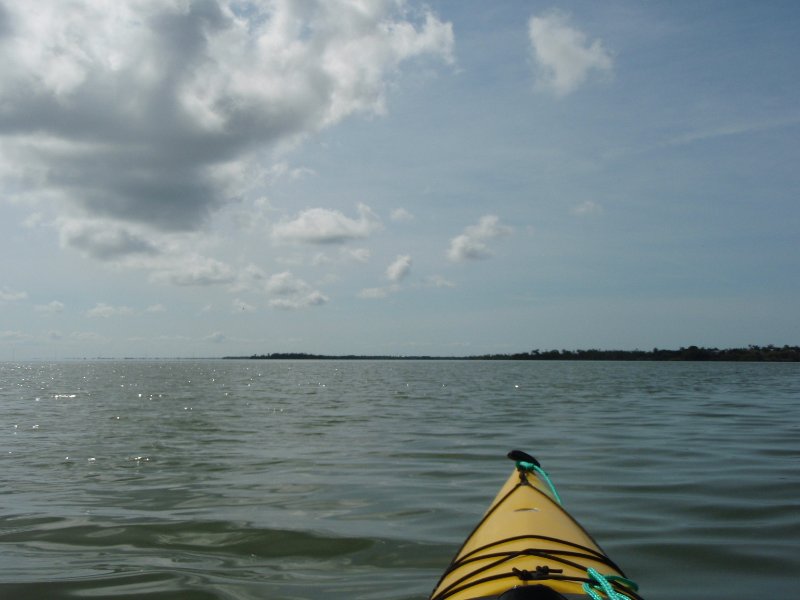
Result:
pixel 527 546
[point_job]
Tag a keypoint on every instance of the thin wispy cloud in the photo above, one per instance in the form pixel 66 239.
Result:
pixel 401 215
pixel 216 337
pixel 586 208
pixel 10 335
pixel 287 291
pixel 361 255
pixel 438 281
pixel 51 308
pixel 9 295
pixel 193 270
pixel 105 311
pixel 374 293
pixel 707 132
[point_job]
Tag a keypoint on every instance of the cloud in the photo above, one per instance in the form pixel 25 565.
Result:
pixel 395 273
pixel 105 311
pixel 439 281
pixel 359 255
pixel 215 338
pixel 248 279
pixel 156 308
pixel 283 169
pixel 51 308
pixel 8 295
pixel 401 214
pixel 563 55
pixel 169 257
pixel 104 240
pixel 194 270
pixel 374 293
pixel 87 336
pixel 399 269
pixel 147 111
pixel 314 298
pixel 709 131
pixel 5 24
pixel 587 208
pixel 13 336
pixel 323 226
pixel 472 244
pixel 290 292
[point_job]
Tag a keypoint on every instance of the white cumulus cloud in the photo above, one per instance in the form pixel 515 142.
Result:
pixel 564 56
pixel 324 226
pixel 399 269
pixel 134 119
pixel 472 244
pixel 125 108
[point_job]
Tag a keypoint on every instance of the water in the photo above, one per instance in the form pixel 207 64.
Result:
pixel 358 480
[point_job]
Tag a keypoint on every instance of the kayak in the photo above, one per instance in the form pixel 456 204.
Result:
pixel 528 547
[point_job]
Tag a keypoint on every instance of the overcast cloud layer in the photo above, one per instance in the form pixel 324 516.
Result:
pixel 191 177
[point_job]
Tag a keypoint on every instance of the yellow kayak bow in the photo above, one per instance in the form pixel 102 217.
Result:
pixel 527 547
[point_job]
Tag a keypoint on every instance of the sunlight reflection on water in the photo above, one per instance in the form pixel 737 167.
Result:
pixel 342 479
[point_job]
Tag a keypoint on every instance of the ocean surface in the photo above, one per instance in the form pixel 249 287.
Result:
pixel 251 479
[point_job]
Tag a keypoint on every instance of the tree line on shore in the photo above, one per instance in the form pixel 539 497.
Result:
pixel 692 353
pixel 751 353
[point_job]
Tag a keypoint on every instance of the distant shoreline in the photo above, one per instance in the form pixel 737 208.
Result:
pixel 692 353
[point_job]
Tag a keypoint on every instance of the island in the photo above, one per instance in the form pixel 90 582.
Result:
pixel 751 353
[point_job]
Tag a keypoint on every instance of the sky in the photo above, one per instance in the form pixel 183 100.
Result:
pixel 199 178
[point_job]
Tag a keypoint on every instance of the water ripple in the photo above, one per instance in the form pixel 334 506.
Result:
pixel 309 479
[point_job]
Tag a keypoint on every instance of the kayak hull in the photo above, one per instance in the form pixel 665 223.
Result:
pixel 527 546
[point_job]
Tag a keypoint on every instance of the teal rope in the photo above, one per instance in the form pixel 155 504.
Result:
pixel 526 466
pixel 602 583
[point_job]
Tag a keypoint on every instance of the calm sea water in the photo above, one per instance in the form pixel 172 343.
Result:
pixel 358 480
